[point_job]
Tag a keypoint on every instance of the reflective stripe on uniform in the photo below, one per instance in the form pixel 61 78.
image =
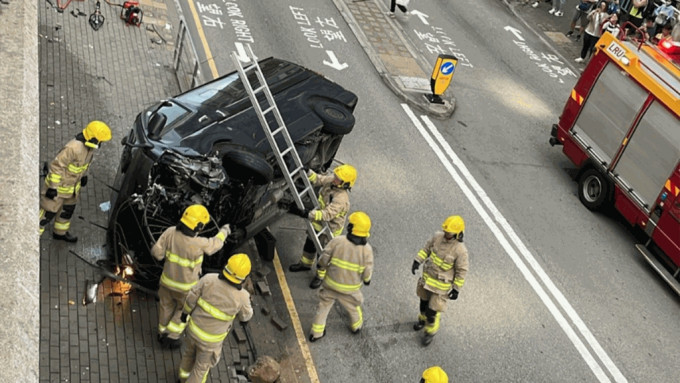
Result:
pixel 434 282
pixel 458 282
pixel 321 273
pixel 54 178
pixel 62 225
pixel 318 215
pixel 184 262
pixel 318 328
pixel 77 169
pixel 322 203
pixel 422 255
pixel 306 261
pixel 176 285
pixel 183 374
pixel 440 262
pixel 221 236
pixel 65 189
pixel 359 322
pixel 312 177
pixel 177 328
pixel 214 311
pixel 347 265
pixel 204 335
pixel 341 286
pixel 431 328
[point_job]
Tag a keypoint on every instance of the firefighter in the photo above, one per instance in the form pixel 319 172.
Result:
pixel 67 174
pixel 183 251
pixel 434 374
pixel 211 307
pixel 333 208
pixel 446 264
pixel 346 263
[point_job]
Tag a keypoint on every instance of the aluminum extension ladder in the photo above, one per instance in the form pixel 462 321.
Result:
pixel 264 108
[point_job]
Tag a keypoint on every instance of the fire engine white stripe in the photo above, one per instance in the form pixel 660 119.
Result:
pixel 528 276
pixel 561 300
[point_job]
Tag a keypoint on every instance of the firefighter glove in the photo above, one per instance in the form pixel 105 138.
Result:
pixel 183 318
pixel 453 294
pixel 315 283
pixel 299 212
pixel 51 193
pixel 366 283
pixel 226 229
pixel 83 181
pixel 414 267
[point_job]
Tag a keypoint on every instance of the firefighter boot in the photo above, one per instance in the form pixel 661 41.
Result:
pixel 313 339
pixel 419 325
pixel 67 237
pixel 427 339
pixel 298 267
pixel 315 283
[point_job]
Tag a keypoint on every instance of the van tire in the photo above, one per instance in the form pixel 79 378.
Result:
pixel 241 164
pixel 336 118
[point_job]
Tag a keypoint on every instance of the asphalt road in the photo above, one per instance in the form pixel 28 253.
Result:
pixel 554 292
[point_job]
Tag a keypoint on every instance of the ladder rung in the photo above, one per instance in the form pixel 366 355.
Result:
pixel 277 130
pixel 304 191
pixel 321 232
pixel 295 171
pixel 283 153
pixel 268 109
pixel 249 68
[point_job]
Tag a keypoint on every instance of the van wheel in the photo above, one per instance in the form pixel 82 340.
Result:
pixel 593 189
pixel 336 118
pixel 243 165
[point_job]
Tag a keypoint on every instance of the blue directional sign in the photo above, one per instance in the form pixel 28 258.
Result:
pixel 442 74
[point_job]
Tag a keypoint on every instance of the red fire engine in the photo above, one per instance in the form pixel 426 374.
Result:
pixel 621 128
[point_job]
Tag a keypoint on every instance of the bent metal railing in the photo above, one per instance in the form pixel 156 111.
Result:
pixel 185 59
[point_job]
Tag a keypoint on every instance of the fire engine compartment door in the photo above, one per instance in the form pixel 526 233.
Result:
pixel 608 113
pixel 651 155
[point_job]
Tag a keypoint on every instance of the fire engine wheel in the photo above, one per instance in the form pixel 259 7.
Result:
pixel 593 189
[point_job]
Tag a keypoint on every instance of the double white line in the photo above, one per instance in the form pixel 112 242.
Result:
pixel 524 259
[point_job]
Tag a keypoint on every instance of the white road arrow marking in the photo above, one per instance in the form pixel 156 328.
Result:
pixel 334 63
pixel 423 17
pixel 241 53
pixel 516 32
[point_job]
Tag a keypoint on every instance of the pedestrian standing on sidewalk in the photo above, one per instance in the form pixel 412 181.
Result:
pixel 183 251
pixel 67 174
pixel 557 8
pixel 636 15
pixel 612 25
pixel 346 264
pixel 580 16
pixel 446 264
pixel 596 18
pixel 211 307
pixel 401 4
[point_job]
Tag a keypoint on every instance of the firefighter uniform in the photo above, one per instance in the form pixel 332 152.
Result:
pixel 333 208
pixel 346 263
pixel 211 307
pixel 183 256
pixel 67 174
pixel 445 259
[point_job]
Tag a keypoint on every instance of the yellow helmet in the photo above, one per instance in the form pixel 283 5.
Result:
pixel 96 132
pixel 454 224
pixel 347 174
pixel 435 374
pixel 194 216
pixel 361 224
pixel 237 268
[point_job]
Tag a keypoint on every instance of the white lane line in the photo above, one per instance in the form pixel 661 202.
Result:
pixel 528 276
pixel 530 259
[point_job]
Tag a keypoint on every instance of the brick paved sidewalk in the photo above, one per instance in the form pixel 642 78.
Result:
pixel 111 75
